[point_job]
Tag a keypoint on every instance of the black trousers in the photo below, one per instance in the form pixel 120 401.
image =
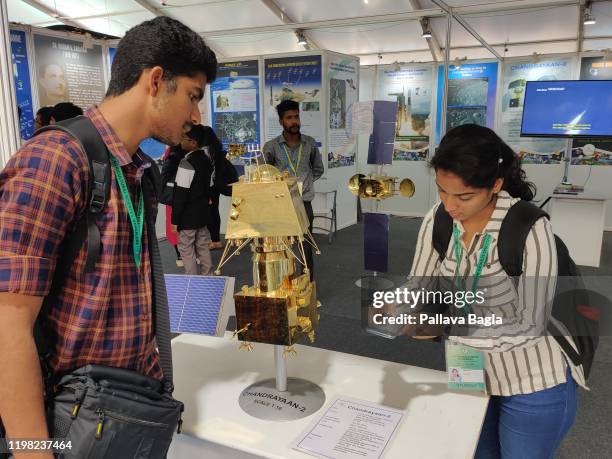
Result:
pixel 307 246
pixel 215 219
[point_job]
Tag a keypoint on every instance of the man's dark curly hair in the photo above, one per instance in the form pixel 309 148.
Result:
pixel 163 42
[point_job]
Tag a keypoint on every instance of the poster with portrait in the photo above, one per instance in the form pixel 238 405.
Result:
pixel 515 76
pixel 296 78
pixel 234 103
pixel 343 73
pixel 68 72
pixel 411 87
pixel 471 95
pixel 593 152
pixel 21 77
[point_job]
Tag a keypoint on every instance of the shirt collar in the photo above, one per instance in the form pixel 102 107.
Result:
pixel 110 138
pixel 281 139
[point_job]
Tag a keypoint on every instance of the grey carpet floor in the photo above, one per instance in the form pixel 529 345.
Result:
pixel 341 264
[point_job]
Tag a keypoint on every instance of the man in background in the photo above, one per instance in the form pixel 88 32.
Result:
pixel 297 153
pixel 191 203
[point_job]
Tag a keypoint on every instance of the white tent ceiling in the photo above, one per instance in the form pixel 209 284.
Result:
pixel 379 31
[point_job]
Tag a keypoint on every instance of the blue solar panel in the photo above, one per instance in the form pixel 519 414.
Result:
pixel 195 303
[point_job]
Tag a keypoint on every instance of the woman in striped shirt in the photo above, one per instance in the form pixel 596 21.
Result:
pixel 531 382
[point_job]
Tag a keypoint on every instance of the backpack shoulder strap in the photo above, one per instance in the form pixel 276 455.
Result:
pixel 98 189
pixel 513 234
pixel 442 231
pixel 151 187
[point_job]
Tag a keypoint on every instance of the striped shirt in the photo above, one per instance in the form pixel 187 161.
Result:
pixel 519 357
pixel 104 317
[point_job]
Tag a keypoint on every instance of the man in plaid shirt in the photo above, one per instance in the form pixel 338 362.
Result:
pixel 159 74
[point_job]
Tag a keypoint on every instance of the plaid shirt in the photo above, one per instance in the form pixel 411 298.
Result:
pixel 104 317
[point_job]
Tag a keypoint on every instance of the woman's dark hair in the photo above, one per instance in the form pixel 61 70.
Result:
pixel 479 156
pixel 163 42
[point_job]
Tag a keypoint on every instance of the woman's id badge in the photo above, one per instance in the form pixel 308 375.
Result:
pixel 464 367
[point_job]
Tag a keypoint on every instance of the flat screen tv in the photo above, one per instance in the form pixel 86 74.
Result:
pixel 580 108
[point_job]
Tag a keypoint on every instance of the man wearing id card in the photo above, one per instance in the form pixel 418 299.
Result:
pixel 298 154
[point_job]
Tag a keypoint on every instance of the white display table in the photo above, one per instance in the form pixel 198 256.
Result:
pixel 579 221
pixel 210 373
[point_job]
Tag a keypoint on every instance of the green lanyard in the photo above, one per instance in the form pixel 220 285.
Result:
pixel 294 169
pixel 482 258
pixel 136 218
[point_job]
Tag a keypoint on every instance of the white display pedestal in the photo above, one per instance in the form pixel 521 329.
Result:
pixel 579 221
pixel 210 373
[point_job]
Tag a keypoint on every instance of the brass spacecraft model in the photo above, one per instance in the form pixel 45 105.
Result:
pixel 379 187
pixel 268 213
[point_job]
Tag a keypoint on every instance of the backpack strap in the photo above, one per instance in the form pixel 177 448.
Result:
pixel 513 234
pixel 151 187
pixel 442 231
pixel 98 191
pixel 91 143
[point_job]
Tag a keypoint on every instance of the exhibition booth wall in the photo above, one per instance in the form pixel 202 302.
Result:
pixel 491 94
pixel 240 106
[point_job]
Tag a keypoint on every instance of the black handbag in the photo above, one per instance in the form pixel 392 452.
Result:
pixel 103 412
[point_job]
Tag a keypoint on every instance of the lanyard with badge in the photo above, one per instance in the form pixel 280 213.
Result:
pixel 464 364
pixel 295 168
pixel 136 217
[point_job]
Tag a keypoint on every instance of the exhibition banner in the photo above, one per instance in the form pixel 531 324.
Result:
pixel 471 95
pixel 21 77
pixel 593 152
pixel 296 78
pixel 68 72
pixel 411 87
pixel 234 103
pixel 343 94
pixel 516 74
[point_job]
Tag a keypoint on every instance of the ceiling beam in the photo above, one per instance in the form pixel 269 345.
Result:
pixel 278 12
pixel 390 18
pixel 158 12
pixel 468 27
pixel 150 8
pixel 512 5
pixel 580 39
pixel 53 13
pixel 328 23
pixel 432 41
pixel 497 45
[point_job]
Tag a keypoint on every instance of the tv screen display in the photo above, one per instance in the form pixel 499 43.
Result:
pixel 580 108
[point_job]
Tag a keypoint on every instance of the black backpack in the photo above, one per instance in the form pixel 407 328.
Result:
pixel 573 305
pixel 86 231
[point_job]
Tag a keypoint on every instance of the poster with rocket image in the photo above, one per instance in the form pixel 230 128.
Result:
pixel 343 75
pixel 411 87
pixel 296 78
